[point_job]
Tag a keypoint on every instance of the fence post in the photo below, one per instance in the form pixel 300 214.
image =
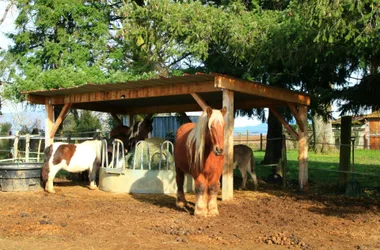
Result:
pixel 261 142
pixel 247 136
pixel 27 146
pixel 39 149
pixel 97 134
pixel 15 146
pixel 68 137
pixel 345 149
pixel 284 161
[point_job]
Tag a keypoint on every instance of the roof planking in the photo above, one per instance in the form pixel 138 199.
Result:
pixel 163 95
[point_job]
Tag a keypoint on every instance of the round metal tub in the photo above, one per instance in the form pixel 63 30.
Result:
pixel 20 177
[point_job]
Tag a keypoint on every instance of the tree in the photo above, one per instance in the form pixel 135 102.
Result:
pixel 65 43
pixel 298 45
pixel 352 26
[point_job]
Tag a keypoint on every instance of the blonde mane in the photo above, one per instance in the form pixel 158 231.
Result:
pixel 197 138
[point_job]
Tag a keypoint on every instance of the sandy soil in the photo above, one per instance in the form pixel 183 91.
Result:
pixel 271 218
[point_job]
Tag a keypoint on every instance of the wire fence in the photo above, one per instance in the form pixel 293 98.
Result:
pixel 323 168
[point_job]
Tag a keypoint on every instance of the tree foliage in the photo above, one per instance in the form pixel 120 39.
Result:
pixel 65 43
pixel 311 46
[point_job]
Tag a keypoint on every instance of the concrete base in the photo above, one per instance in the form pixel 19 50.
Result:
pixel 142 181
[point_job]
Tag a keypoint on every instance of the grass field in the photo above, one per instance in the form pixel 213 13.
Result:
pixel 323 168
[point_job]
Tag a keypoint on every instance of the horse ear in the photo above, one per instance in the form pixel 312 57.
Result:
pixel 209 111
pixel 224 110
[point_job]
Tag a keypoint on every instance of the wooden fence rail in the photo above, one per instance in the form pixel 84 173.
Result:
pixel 15 153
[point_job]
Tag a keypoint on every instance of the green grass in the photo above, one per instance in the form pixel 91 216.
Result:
pixel 323 167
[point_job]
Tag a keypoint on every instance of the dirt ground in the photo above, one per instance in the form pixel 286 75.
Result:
pixel 271 218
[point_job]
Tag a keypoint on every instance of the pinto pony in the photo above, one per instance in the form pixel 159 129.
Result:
pixel 72 158
pixel 199 151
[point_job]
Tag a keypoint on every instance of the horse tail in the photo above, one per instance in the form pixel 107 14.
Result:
pixel 253 172
pixel 252 163
pixel 45 166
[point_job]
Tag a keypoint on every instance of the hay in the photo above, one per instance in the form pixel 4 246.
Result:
pixel 142 159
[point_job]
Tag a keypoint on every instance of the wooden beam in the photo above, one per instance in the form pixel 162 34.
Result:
pixel 142 110
pixel 34 99
pixel 303 152
pixel 117 119
pixel 261 103
pixel 296 116
pixel 185 107
pixel 262 90
pixel 286 125
pixel 60 119
pixel 199 100
pixel 228 168
pixel 49 123
pixel 155 91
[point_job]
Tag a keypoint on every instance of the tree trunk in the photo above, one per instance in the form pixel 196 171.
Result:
pixel 273 151
pixel 322 134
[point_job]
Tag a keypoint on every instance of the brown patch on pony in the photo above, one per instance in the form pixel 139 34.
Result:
pixel 64 152
pixel 45 166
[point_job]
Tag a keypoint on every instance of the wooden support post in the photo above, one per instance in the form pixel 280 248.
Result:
pixel 27 146
pixel 345 151
pixel 15 146
pixel 284 161
pixel 69 137
pixel 286 125
pixel 261 142
pixel 49 123
pixel 60 119
pixel 199 100
pixel 228 171
pixel 39 150
pixel 296 116
pixel 303 151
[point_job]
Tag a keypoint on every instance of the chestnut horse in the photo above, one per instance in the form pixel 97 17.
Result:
pixel 199 151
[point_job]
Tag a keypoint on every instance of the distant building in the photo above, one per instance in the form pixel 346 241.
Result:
pixel 372 129
pixel 365 128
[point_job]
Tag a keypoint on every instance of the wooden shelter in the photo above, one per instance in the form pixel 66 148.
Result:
pixel 180 94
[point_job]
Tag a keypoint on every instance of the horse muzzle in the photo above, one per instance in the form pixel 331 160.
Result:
pixel 218 151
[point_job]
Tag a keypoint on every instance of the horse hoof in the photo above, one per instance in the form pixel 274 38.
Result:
pixel 93 187
pixel 213 213
pixel 181 204
pixel 201 213
pixel 51 191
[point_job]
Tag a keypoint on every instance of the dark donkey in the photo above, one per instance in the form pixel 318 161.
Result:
pixel 137 132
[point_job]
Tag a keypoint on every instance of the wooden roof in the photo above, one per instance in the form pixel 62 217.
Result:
pixel 374 115
pixel 168 95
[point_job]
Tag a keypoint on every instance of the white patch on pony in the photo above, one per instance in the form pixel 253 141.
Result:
pixel 85 157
